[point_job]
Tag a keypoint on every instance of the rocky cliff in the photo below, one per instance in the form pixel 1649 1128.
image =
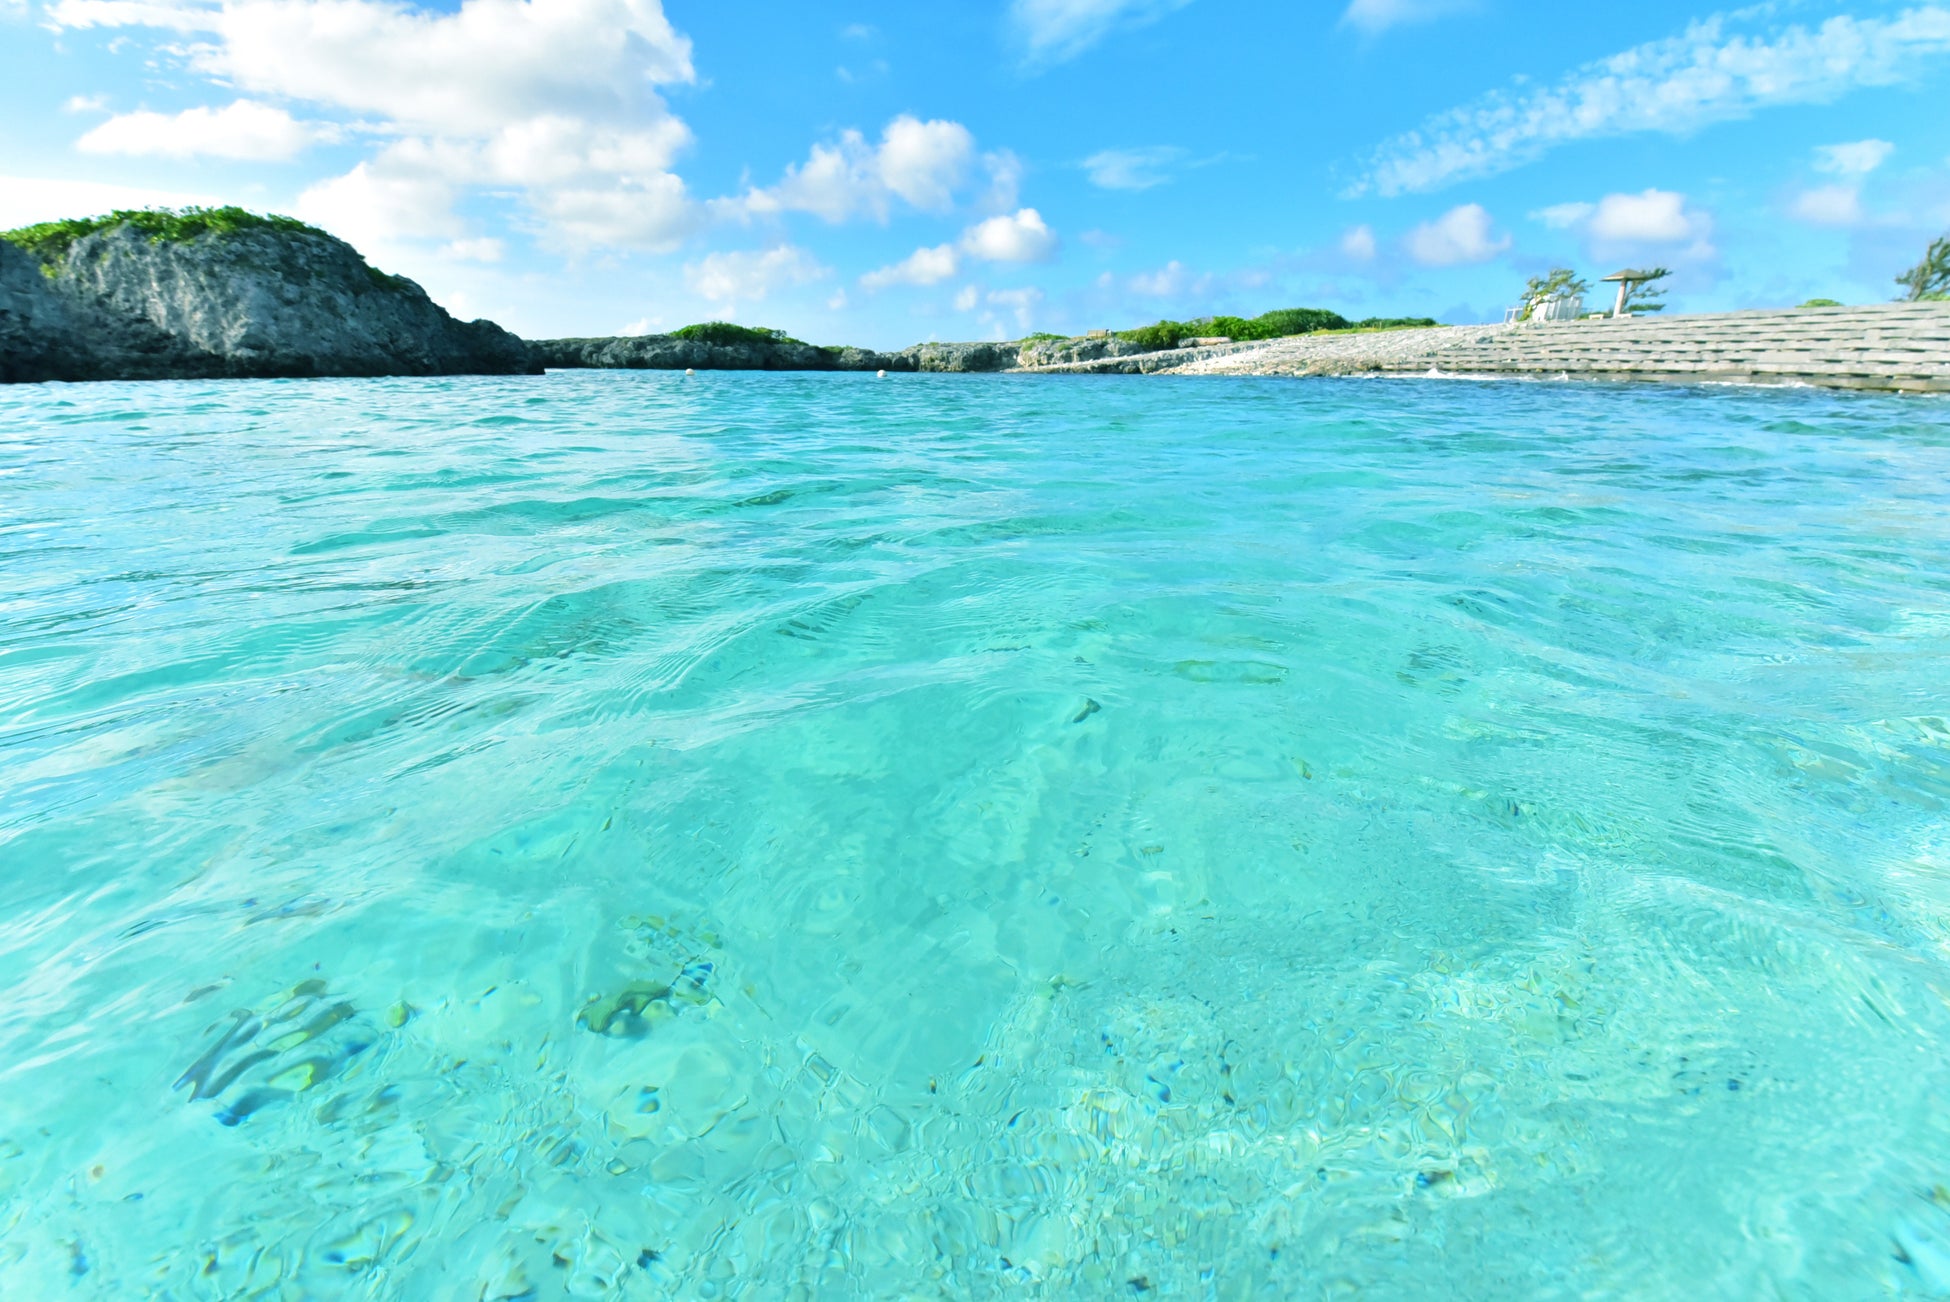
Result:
pixel 160 296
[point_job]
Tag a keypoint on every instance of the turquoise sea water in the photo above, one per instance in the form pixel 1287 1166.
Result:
pixel 764 836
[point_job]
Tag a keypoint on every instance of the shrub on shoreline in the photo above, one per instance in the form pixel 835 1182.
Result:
pixel 1279 324
pixel 724 332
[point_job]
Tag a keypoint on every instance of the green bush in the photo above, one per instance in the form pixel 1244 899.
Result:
pixel 724 332
pixel 1395 323
pixel 51 241
pixel 1821 302
pixel 1269 325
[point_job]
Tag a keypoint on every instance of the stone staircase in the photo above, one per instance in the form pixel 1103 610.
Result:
pixel 1889 346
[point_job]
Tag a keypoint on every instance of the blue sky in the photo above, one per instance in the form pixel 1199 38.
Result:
pixel 884 173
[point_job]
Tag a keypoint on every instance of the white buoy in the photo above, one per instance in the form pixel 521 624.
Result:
pixel 880 375
pixel 689 371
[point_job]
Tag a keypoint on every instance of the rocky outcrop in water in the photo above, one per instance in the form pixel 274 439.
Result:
pixel 1085 348
pixel 122 303
pixel 672 352
pixel 960 357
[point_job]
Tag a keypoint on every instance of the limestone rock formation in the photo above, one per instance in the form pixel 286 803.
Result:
pixel 959 357
pixel 671 353
pixel 1084 348
pixel 119 302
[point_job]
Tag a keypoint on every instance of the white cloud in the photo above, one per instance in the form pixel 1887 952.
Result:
pixel 482 250
pixel 1132 169
pixel 922 163
pixel 1052 31
pixel 1461 235
pixel 173 15
pixel 652 212
pixel 1358 243
pixel 1376 16
pixel 1565 216
pixel 1828 205
pixel 1022 237
pixel 1005 180
pixel 245 129
pixel 372 208
pixel 1651 221
pixel 25 200
pixel 1840 204
pixel 967 299
pixel 1021 302
pixel 1858 158
pixel 1650 217
pixel 922 267
pixel 1168 281
pixel 727 278
pixel 85 104
pixel 1708 74
pixel 555 101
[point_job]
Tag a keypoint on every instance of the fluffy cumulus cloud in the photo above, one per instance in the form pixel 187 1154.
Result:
pixel 1132 169
pixel 1021 236
pixel 728 278
pixel 1017 237
pixel 1375 16
pixel 244 129
pixel 1460 236
pixel 922 267
pixel 920 164
pixel 1053 31
pixel 555 102
pixel 1649 222
pixel 1710 73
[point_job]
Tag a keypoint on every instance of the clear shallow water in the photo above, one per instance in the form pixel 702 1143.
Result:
pixel 808 836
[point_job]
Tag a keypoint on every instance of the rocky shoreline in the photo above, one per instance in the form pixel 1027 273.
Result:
pixel 673 353
pixel 222 292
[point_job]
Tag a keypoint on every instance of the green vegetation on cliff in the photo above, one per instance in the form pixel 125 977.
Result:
pixel 50 241
pixel 1277 324
pixel 724 332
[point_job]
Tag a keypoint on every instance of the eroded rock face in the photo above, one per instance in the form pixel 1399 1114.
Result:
pixel 668 353
pixel 1084 348
pixel 262 302
pixel 961 357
